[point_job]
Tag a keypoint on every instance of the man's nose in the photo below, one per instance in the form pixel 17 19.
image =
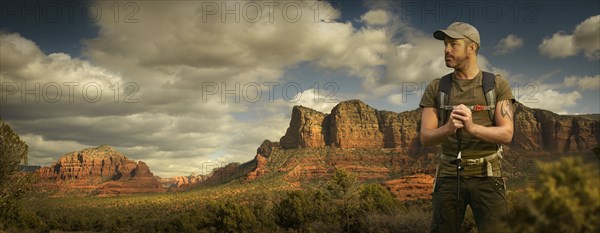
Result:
pixel 447 49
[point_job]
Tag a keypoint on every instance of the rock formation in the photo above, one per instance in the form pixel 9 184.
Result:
pixel 354 124
pixel 308 128
pixel 187 181
pixel 104 169
pixel 385 146
pixel 537 129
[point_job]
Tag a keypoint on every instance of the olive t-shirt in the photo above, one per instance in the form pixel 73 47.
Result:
pixel 470 93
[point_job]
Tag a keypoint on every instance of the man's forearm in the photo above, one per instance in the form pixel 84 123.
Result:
pixel 432 137
pixel 494 134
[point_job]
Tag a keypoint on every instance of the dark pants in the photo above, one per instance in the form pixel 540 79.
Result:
pixel 485 195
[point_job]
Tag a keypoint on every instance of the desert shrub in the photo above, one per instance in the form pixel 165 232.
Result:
pixel 298 209
pixel 566 199
pixel 230 216
pixel 375 198
pixel 344 189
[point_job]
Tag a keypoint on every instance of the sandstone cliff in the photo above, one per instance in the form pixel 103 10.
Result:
pixel 102 169
pixel 537 129
pixel 354 124
pixel 182 181
pixel 385 146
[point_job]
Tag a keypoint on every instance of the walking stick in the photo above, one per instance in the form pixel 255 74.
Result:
pixel 458 168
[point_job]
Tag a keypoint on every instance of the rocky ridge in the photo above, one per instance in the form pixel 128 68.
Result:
pixel 354 124
pixel 385 146
pixel 102 169
pixel 182 181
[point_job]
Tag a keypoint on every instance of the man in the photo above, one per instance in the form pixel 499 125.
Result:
pixel 481 183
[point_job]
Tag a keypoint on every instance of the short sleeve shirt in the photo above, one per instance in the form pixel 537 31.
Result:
pixel 470 93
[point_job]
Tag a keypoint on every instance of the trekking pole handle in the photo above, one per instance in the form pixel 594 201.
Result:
pixel 459 148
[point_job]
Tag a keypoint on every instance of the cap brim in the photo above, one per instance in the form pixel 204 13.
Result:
pixel 441 34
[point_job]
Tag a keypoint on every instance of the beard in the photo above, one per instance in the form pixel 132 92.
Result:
pixel 456 62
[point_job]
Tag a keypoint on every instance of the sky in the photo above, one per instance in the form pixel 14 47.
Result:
pixel 187 86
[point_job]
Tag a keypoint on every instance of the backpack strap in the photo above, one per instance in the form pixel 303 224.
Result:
pixel 489 90
pixel 445 86
pixel 444 95
pixel 489 85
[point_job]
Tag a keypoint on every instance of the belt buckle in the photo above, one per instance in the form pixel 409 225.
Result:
pixel 471 162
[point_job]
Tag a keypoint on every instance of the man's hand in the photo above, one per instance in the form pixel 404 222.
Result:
pixel 462 118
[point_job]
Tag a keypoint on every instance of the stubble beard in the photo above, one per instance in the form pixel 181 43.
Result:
pixel 456 62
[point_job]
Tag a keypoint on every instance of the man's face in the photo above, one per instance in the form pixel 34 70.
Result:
pixel 455 53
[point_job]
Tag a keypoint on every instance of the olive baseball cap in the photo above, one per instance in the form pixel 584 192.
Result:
pixel 459 30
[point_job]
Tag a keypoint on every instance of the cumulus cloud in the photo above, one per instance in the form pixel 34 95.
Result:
pixel 191 64
pixel 36 85
pixel 318 99
pixel 175 123
pixel 551 100
pixel 396 99
pixel 508 44
pixel 195 44
pixel 583 83
pixel 420 60
pixel 559 45
pixel 375 17
pixel 585 38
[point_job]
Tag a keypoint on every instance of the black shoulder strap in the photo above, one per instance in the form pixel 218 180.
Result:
pixel 445 87
pixel 489 85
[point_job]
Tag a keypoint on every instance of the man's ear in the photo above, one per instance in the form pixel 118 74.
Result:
pixel 472 47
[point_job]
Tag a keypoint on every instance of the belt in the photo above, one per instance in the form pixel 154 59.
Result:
pixel 473 162
pixel 470 162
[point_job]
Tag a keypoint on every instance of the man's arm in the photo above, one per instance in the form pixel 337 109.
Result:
pixel 502 133
pixel 430 133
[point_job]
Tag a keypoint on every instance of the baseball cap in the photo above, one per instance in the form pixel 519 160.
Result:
pixel 459 30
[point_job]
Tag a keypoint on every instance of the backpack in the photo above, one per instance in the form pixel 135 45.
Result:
pixel 488 86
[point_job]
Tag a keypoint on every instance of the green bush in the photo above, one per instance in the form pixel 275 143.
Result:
pixel 232 217
pixel 375 198
pixel 302 208
pixel 13 186
pixel 565 199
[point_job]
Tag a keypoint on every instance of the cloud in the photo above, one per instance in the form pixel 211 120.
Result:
pixel 583 83
pixel 375 17
pixel 171 121
pixel 194 44
pixel 396 99
pixel 585 38
pixel 318 99
pixel 508 44
pixel 550 100
pixel 559 45
pixel 43 152
pixel 417 61
pixel 36 85
pixel 178 49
